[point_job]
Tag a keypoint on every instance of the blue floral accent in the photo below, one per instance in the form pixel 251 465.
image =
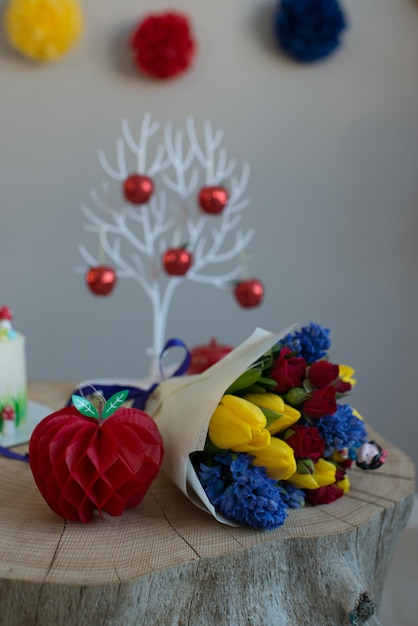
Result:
pixel 342 430
pixel 243 492
pixel 310 342
pixel 293 497
pixel 309 30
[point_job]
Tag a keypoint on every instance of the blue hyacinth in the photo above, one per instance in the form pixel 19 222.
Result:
pixel 243 492
pixel 310 342
pixel 293 497
pixel 309 30
pixel 342 430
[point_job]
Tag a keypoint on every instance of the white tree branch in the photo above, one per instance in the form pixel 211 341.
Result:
pixel 178 163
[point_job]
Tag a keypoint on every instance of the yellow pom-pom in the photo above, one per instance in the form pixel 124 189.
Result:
pixel 43 30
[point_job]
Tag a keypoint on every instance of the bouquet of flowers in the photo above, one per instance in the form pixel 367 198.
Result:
pixel 264 429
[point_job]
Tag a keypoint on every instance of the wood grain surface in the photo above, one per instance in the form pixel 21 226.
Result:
pixel 168 563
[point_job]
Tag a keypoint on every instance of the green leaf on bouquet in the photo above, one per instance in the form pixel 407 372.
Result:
pixel 266 361
pixel 268 383
pixel 84 407
pixel 271 416
pixel 246 379
pixel 114 403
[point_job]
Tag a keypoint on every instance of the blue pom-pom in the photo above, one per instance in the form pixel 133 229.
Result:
pixel 309 30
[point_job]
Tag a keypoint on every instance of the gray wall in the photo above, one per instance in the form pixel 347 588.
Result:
pixel 333 149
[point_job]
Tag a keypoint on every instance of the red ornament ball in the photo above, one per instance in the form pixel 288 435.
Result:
pixel 81 464
pixel 163 45
pixel 213 200
pixel 206 355
pixel 138 189
pixel 249 293
pixel 101 280
pixel 177 261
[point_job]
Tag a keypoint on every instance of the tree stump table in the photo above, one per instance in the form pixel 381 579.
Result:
pixel 168 563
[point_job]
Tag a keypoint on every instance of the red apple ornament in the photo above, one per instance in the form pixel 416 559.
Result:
pixel 249 293
pixel 101 280
pixel 213 199
pixel 206 355
pixel 83 460
pixel 138 189
pixel 177 261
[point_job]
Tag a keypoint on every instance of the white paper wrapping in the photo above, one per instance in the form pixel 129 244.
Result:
pixel 182 407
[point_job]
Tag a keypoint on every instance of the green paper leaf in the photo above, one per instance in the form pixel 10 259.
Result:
pixel 114 403
pixel 84 407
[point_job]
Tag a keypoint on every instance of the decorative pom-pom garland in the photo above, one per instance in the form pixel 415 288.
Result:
pixel 43 30
pixel 163 45
pixel 309 30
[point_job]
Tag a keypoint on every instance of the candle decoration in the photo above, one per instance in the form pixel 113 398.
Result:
pixel 86 459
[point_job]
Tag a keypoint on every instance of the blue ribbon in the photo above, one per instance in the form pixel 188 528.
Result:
pixel 14 455
pixel 138 395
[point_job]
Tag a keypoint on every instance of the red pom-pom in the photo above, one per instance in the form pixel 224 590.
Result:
pixel 81 464
pixel 163 45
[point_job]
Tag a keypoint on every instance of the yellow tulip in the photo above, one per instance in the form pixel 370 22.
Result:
pixel 340 456
pixel 278 458
pixel 343 484
pixel 286 415
pixel 357 414
pixel 346 373
pixel 239 425
pixel 324 474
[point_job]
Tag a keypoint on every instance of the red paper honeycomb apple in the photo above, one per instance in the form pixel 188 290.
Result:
pixel 204 356
pixel 84 460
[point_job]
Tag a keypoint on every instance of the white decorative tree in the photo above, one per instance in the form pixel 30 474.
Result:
pixel 174 216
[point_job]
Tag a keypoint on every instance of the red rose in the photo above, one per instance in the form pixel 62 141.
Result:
pixel 341 386
pixel 323 495
pixel 323 373
pixel 339 474
pixel 322 402
pixel 288 371
pixel 306 442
